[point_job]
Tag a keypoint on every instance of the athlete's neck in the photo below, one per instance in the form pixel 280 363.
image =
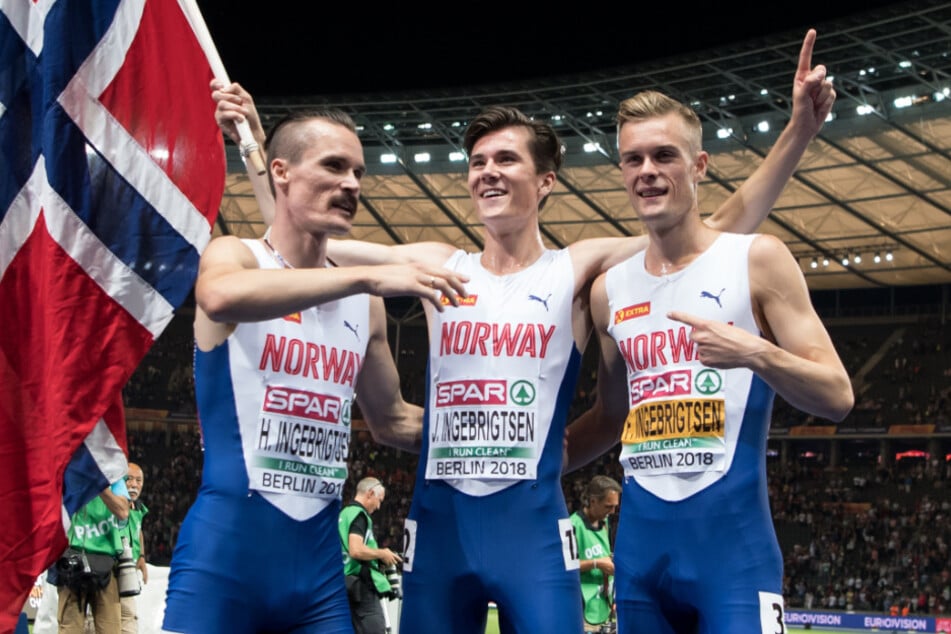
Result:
pixel 294 249
pixel 672 251
pixel 511 253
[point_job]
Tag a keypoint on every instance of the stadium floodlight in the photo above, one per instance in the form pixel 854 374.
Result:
pixel 724 133
pixel 825 261
pixel 422 157
pixel 455 157
pixel 904 102
pixel 763 126
pixel 424 126
pixel 888 256
pixel 592 147
pixel 388 158
pixel 864 109
pixel 814 264
pixel 845 260
pixel 857 258
pixel 389 127
pixel 878 258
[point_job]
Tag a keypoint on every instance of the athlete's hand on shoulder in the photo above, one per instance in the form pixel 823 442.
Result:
pixel 430 283
pixel 233 104
pixel 721 345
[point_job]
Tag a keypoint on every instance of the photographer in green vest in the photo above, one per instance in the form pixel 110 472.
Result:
pixel 364 564
pixel 601 499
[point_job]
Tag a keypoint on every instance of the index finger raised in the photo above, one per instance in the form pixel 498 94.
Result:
pixel 805 53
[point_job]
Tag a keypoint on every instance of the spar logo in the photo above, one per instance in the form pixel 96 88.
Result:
pixel 293 317
pixel 303 404
pixel 674 383
pixel 522 393
pixel 709 382
pixel 453 393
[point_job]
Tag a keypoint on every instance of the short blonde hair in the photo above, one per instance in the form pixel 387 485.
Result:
pixel 649 104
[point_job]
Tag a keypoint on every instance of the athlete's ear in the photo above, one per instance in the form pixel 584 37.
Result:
pixel 547 184
pixel 279 172
pixel 701 165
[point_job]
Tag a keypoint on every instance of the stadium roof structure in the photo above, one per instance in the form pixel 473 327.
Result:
pixel 876 181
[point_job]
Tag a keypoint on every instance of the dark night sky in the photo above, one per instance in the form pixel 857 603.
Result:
pixel 289 48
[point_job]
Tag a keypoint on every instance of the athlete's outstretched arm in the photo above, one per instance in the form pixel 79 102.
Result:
pixel 795 356
pixel 392 421
pixel 812 99
pixel 231 288
pixel 359 252
pixel 598 429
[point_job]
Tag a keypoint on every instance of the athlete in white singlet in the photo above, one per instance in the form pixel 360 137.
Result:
pixel 274 402
pixel 282 343
pixel 696 334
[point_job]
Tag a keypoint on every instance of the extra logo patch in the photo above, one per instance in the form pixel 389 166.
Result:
pixel 294 317
pixel 631 312
pixel 463 301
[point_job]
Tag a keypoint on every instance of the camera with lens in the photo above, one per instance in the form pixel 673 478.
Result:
pixel 393 577
pixel 126 576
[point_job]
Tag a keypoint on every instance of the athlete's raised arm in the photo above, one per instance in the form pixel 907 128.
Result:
pixel 746 209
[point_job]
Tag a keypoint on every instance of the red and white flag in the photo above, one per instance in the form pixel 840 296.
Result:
pixel 111 174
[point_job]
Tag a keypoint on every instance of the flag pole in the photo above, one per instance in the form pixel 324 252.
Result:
pixel 250 150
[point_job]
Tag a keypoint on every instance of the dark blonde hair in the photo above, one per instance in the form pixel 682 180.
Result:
pixel 649 104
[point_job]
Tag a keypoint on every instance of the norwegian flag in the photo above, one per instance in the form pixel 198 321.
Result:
pixel 111 174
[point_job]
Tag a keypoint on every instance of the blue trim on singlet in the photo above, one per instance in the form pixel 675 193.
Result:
pixel 224 470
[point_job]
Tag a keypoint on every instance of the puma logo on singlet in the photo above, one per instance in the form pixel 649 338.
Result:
pixel 715 298
pixel 543 302
pixel 352 329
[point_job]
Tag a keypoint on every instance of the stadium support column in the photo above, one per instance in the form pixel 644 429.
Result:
pixel 885 453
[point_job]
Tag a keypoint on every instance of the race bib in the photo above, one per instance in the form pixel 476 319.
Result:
pixel 301 444
pixel 674 436
pixel 483 429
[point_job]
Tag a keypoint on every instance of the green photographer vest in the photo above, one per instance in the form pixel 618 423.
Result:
pixel 592 544
pixel 353 566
